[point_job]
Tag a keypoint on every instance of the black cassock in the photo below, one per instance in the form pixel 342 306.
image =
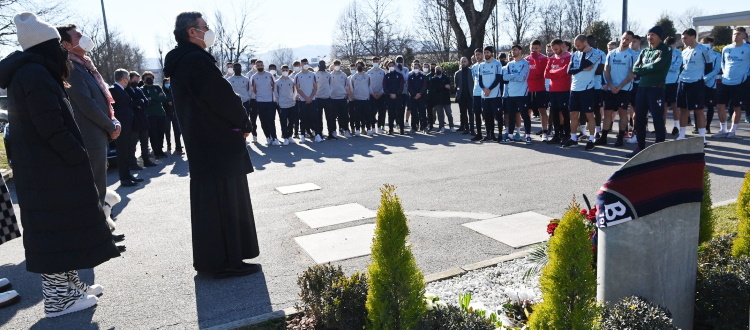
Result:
pixel 213 121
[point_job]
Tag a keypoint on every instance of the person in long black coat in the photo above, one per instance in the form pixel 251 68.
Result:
pixel 140 121
pixel 123 107
pixel 64 226
pixel 214 127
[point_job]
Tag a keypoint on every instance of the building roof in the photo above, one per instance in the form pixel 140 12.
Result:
pixel 730 19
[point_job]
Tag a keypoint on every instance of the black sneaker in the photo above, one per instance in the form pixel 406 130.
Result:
pixel 528 140
pixel 619 141
pixel 590 145
pixel 554 140
pixel 489 138
pixel 602 141
pixel 477 138
pixel 675 131
pixel 507 140
pixel 570 143
pixel 331 137
pixel 494 138
pixel 541 132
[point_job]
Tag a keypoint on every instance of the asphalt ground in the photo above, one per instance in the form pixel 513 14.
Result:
pixel 153 285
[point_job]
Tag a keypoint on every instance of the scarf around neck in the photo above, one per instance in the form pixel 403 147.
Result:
pixel 86 62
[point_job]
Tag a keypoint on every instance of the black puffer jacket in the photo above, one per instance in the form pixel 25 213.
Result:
pixel 63 223
pixel 211 115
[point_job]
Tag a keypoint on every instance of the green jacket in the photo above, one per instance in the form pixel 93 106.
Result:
pixel 155 97
pixel 653 65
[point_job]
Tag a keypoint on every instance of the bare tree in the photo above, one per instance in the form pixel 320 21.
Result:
pixel 346 44
pixel 123 54
pixel 476 21
pixel 53 12
pixel 233 34
pixel 492 37
pixel 282 55
pixel 581 14
pixel 520 14
pixel 438 38
pixel 554 17
pixel 163 45
pixel 684 21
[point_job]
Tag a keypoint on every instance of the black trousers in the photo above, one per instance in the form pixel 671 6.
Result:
pixel 352 121
pixel 286 125
pixel 142 137
pixel 476 109
pixel 464 103
pixel 418 114
pixel 649 100
pixel 267 114
pixel 124 145
pixel 341 109
pixel 156 126
pixel 395 112
pixel 309 117
pixel 326 109
pixel 252 110
pixel 490 106
pixel 173 123
pixel 378 108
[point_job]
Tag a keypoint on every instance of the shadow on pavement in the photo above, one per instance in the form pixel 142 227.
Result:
pixel 227 300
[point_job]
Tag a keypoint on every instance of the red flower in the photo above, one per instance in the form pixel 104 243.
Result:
pixel 583 212
pixel 551 228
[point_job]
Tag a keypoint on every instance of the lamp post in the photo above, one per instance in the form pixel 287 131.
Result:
pixel 106 30
pixel 624 15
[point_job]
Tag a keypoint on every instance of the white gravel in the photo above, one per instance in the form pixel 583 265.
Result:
pixel 490 287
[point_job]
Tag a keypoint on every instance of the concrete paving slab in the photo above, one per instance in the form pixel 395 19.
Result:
pixel 338 244
pixel 334 215
pixel 516 230
pixel 298 188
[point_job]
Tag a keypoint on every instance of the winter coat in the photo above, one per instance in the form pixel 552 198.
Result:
pixel 140 103
pixel 63 222
pixel 210 114
pixel 438 94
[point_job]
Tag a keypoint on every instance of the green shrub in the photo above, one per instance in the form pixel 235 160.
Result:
pixel 722 286
pixel 333 300
pixel 395 298
pixel 453 318
pixel 636 313
pixel 568 283
pixel 707 223
pixel 741 246
pixel 450 69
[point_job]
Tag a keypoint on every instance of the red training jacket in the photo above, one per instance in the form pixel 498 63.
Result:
pixel 557 73
pixel 537 65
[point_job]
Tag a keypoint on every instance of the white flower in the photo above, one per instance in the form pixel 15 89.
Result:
pixel 441 304
pixel 429 296
pixel 428 304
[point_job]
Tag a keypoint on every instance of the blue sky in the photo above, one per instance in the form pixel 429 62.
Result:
pixel 142 21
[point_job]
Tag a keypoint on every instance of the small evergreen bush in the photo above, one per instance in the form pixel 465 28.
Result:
pixel 722 286
pixel 395 297
pixel 707 223
pixel 636 313
pixel 452 317
pixel 568 283
pixel 741 246
pixel 333 300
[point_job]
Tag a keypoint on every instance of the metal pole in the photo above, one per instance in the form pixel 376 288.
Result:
pixel 624 15
pixel 106 29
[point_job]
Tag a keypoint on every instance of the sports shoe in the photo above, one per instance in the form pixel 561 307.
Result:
pixel 255 139
pixel 601 141
pixel 720 134
pixel 554 140
pixel 675 131
pixel 506 139
pixel 370 132
pixel 381 131
pixel 93 290
pixel 356 133
pixel 632 140
pixel 268 141
pixel 570 143
pixel 9 298
pixel 517 136
pixel 731 135
pixel 680 138
pixel 453 130
pixel 590 145
pixel 476 138
pixel 545 137
pixel 286 142
pixel 695 131
pixel 347 134
pixel 528 140
pixel 332 137
pixel 85 302
pixel 302 139
pixel 318 138
pixel 276 142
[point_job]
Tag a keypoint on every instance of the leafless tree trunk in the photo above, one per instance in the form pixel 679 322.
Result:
pixel 554 17
pixel 437 35
pixel 233 34
pixel 163 45
pixel 685 20
pixel 520 14
pixel 581 13
pixel 493 31
pixel 281 56
pixel 55 12
pixel 476 20
pixel 346 44
pixel 123 54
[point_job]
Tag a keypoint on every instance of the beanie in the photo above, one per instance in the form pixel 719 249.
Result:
pixel 33 31
pixel 657 30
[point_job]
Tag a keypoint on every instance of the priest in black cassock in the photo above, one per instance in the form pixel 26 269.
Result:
pixel 214 126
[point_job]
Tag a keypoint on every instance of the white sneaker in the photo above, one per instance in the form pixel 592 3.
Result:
pixel 276 142
pixel 302 139
pixel 347 134
pixel 318 138
pixel 545 137
pixel 94 290
pixel 731 135
pixel 381 131
pixel 335 134
pixel 290 140
pixel 720 134
pixel 453 130
pixel 255 139
pixel 442 130
pixel 632 140
pixel 356 133
pixel 286 142
pixel 9 298
pixel 85 302
pixel 268 141
pixel 680 138
pixel 370 132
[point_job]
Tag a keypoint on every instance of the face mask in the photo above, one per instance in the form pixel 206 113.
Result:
pixel 285 73
pixel 392 69
pixel 400 66
pixel 416 70
pixel 273 72
pixel 439 73
pixel 296 69
pixel 209 38
pixel 426 69
pixel 133 84
pixel 86 43
pixel 360 69
pixel 306 67
pixel 149 81
pixel 167 85
pixel 261 69
pixel 376 65
pixel 337 68
pixel 230 71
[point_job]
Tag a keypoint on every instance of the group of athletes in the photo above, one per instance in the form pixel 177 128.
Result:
pixel 577 96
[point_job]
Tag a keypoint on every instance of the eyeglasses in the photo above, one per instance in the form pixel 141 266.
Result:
pixel 206 26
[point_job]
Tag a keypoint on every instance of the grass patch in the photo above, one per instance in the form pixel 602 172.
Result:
pixel 3 154
pixel 725 220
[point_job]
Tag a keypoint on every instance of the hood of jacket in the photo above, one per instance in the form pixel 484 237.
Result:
pixel 173 58
pixel 13 62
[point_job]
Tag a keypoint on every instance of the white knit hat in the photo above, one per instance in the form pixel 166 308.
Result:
pixel 33 31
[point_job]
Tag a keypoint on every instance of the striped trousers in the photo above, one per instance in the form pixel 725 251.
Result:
pixel 61 290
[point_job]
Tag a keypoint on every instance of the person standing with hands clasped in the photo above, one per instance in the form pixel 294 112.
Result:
pixel 157 117
pixel 214 126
